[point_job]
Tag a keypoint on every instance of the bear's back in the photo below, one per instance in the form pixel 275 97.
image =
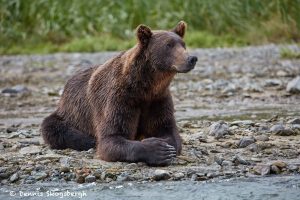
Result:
pixel 73 106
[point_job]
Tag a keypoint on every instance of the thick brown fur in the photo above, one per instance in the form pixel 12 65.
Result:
pixel 124 107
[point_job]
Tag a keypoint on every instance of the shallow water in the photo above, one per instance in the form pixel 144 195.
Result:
pixel 279 187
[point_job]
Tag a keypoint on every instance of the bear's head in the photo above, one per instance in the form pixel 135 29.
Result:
pixel 166 50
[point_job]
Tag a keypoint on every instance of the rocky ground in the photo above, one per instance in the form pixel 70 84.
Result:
pixel 238 113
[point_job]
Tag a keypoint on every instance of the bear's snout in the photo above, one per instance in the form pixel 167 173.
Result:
pixel 192 61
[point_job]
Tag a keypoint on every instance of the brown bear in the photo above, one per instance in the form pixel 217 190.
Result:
pixel 124 107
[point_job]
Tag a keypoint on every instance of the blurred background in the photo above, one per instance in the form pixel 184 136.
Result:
pixel 46 26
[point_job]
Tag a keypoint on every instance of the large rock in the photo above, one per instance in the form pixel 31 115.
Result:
pixel 294 85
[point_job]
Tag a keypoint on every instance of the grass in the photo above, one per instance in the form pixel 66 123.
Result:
pixel 46 26
pixel 111 43
pixel 287 53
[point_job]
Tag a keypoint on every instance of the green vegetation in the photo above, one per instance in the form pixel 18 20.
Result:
pixel 289 53
pixel 44 26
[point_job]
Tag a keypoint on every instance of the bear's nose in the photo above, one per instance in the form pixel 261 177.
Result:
pixel 192 60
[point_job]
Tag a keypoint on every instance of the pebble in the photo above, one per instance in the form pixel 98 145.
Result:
pixel 255 159
pixel 14 177
pixel 18 89
pixel 219 160
pixel 11 129
pixel 65 169
pixel 263 138
pixel 30 150
pixel 239 160
pixel 194 177
pixel 280 164
pixel 272 82
pixel 246 141
pixel 276 128
pixel 293 168
pixel 161 174
pixel 280 129
pixel 124 177
pixel 262 169
pixel 178 176
pixel 285 132
pixel 131 166
pixel 40 176
pixel 242 123
pixel 1 146
pixel 65 161
pixel 253 87
pixel 219 129
pixel 275 169
pixel 294 85
pixel 227 163
pixel 80 179
pixel 90 179
pixel 294 121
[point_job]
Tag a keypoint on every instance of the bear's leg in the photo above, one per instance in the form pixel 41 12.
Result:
pixel 59 135
pixel 159 122
pixel 155 152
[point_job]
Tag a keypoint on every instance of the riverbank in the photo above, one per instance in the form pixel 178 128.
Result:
pixel 237 111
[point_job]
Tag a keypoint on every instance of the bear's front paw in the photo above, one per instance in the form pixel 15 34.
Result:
pixel 158 152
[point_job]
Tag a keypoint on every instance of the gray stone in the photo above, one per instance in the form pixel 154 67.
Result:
pixel 219 160
pixel 194 177
pixel 30 150
pixel 294 121
pixel 16 90
pixel 131 166
pixel 296 127
pixel 227 163
pixel 253 87
pixel 262 138
pixel 275 169
pixel 65 169
pixel 97 173
pixel 242 123
pixel 161 174
pixel 14 177
pixel 272 82
pixel 11 129
pixel 276 128
pixel 178 175
pixel 253 147
pixel 90 179
pixel 239 160
pixel 40 176
pixel 1 146
pixel 124 177
pixel 279 129
pixel 246 141
pixel 294 85
pixel 262 169
pixel 285 132
pixel 65 161
pixel 219 129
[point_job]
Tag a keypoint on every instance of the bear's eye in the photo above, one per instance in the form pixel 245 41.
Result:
pixel 170 44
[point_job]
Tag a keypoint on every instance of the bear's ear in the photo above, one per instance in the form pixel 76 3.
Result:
pixel 180 29
pixel 143 34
